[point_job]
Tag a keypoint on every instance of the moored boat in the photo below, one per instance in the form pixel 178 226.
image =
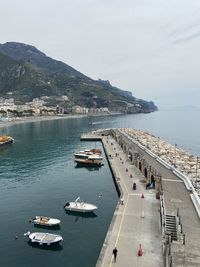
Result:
pixel 5 140
pixel 46 221
pixel 43 238
pixel 87 152
pixel 80 206
pixel 90 160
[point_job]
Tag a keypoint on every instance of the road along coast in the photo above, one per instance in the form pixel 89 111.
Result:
pixel 163 220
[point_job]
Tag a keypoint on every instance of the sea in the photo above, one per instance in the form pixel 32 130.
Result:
pixel 38 176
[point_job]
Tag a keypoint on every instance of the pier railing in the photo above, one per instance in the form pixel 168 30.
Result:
pixel 172 235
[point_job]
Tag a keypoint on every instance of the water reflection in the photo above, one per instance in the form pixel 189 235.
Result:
pixel 81 214
pixel 54 227
pixel 89 168
pixel 52 247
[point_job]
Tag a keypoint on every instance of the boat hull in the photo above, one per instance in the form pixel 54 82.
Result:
pixel 4 143
pixel 89 162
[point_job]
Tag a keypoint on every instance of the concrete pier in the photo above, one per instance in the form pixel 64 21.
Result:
pixel 145 220
pixel 136 219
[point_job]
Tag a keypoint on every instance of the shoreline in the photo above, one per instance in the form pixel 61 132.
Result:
pixel 4 124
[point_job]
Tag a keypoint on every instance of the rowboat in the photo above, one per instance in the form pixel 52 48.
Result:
pixel 43 238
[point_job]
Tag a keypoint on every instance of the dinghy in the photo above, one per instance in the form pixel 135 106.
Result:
pixel 43 238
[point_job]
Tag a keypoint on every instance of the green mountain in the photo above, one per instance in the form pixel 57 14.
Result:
pixel 27 73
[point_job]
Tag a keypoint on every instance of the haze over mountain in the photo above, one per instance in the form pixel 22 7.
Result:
pixel 27 73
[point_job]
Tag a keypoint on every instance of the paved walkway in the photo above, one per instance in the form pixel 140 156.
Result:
pixel 128 229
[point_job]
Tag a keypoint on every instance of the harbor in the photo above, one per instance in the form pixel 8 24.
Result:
pixel 162 221
pixel 132 220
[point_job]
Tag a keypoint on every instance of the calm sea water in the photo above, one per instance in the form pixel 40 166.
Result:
pixel 38 176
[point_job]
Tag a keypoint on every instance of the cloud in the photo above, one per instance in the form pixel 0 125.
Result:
pixel 150 47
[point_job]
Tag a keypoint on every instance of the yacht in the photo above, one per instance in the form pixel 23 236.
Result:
pixel 89 160
pixel 87 152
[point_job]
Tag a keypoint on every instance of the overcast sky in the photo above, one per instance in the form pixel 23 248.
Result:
pixel 149 47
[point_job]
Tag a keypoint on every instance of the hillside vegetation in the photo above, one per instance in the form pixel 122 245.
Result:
pixel 27 73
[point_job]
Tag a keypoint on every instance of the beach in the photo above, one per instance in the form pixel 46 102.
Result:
pixel 36 119
pixel 49 118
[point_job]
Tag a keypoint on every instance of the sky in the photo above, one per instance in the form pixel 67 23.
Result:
pixel 148 47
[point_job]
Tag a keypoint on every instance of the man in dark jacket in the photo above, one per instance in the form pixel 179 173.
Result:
pixel 115 253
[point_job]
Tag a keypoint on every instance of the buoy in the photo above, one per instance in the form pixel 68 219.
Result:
pixel 142 215
pixel 142 196
pixel 140 251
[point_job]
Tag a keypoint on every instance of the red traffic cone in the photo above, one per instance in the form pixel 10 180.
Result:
pixel 142 196
pixel 140 251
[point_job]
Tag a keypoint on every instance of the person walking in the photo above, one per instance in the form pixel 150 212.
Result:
pixel 115 254
pixel 134 186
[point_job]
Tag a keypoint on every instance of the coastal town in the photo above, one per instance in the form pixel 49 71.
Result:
pixel 9 110
pixel 99 134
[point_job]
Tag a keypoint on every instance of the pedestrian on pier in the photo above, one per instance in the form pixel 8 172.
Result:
pixel 115 254
pixel 134 186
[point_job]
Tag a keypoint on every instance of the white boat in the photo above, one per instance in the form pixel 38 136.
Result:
pixel 44 238
pixel 87 152
pixel 80 206
pixel 89 160
pixel 42 220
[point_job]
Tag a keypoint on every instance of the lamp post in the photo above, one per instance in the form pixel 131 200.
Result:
pixel 158 145
pixel 196 171
pixel 175 146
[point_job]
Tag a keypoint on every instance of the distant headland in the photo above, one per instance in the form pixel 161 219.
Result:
pixel 33 83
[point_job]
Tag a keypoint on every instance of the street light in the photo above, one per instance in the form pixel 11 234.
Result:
pixel 196 171
pixel 158 145
pixel 175 146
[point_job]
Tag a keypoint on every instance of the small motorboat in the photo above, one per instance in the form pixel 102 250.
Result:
pixel 42 220
pixel 5 139
pixel 43 238
pixel 80 206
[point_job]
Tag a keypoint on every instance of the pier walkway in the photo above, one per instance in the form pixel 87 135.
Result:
pixel 136 220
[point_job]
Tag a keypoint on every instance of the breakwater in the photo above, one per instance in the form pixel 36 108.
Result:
pixel 184 162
